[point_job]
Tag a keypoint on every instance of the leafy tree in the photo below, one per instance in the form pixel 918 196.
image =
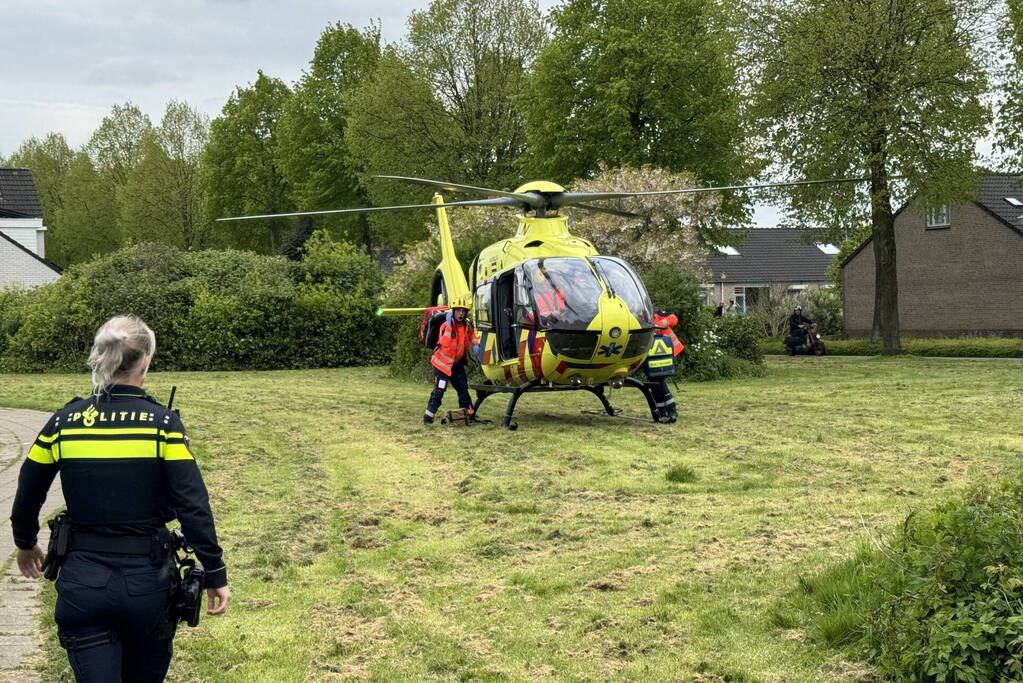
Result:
pixel 444 105
pixel 116 146
pixel 637 82
pixel 162 199
pixel 878 89
pixel 49 160
pixel 240 171
pixel 675 229
pixel 474 55
pixel 88 215
pixel 1010 127
pixel 314 155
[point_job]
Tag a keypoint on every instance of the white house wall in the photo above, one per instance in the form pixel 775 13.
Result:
pixel 19 268
pixel 27 232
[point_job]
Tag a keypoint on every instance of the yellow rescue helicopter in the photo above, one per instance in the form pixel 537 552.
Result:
pixel 550 312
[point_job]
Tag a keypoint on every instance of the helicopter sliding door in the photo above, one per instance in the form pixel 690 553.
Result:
pixel 504 315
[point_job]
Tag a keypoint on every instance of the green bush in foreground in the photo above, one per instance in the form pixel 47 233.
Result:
pixel 211 310
pixel 941 601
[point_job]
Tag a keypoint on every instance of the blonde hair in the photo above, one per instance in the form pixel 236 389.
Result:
pixel 120 347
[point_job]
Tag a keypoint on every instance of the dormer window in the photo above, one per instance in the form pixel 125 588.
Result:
pixel 727 251
pixel 938 217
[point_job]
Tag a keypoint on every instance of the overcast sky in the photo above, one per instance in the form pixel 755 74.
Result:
pixel 65 63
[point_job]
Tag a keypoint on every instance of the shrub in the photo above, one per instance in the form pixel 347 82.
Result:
pixel 772 310
pixel 824 307
pixel 957 347
pixel 738 335
pixel 210 310
pixel 941 600
pixel 679 292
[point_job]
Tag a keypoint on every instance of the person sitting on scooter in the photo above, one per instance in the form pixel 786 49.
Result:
pixel 798 324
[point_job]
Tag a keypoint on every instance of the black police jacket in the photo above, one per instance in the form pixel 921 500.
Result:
pixel 125 468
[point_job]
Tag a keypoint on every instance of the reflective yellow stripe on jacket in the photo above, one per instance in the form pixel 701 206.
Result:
pixel 111 442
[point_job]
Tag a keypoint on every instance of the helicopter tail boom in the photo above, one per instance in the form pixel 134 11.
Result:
pixel 390 312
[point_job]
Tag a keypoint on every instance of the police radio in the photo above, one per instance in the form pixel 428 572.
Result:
pixel 187 600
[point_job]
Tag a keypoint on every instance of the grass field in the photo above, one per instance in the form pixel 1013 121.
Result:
pixel 363 544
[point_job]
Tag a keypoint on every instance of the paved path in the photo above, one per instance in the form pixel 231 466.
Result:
pixel 19 597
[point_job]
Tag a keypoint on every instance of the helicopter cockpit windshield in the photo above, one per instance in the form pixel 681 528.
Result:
pixel 623 282
pixel 565 293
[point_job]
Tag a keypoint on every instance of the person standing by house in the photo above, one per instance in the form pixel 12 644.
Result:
pixel 732 308
pixel 720 310
pixel 126 470
pixel 660 364
pixel 454 341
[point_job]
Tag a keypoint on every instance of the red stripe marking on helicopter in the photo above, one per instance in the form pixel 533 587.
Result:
pixel 537 356
pixel 486 357
pixel 507 373
pixel 562 366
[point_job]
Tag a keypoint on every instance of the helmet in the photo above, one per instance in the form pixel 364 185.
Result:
pixel 461 302
pixel 799 308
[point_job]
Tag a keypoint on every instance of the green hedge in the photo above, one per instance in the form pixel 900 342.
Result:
pixel 941 600
pixel 210 310
pixel 956 347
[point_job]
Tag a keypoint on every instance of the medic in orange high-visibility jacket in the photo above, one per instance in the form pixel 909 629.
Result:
pixel 454 341
pixel 660 364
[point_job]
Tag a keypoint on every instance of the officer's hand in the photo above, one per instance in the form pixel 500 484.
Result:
pixel 217 600
pixel 30 562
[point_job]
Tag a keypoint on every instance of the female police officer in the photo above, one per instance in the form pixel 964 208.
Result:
pixel 126 470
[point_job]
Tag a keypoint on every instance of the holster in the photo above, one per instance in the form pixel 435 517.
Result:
pixel 57 549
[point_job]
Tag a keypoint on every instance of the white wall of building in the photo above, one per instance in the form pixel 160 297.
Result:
pixel 28 232
pixel 19 268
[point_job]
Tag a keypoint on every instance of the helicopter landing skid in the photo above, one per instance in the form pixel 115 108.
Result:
pixel 483 391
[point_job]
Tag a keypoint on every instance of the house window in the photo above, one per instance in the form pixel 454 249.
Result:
pixel 740 298
pixel 707 291
pixel 938 217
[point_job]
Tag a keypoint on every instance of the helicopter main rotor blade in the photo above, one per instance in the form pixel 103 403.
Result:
pixel 497 201
pixel 455 187
pixel 604 209
pixel 573 198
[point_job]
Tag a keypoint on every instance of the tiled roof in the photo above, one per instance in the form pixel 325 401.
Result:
pixel 993 191
pixel 771 255
pixel 18 196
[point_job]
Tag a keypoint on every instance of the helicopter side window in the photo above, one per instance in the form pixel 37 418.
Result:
pixel 525 314
pixel 482 307
pixel 625 284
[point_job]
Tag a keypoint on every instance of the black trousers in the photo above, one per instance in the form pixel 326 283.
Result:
pixel 458 380
pixel 663 398
pixel 112 616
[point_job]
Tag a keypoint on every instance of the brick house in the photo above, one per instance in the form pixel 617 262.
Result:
pixel 22 233
pixel 960 268
pixel 767 258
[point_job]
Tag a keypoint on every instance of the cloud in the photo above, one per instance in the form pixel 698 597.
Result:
pixel 23 119
pixel 133 71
